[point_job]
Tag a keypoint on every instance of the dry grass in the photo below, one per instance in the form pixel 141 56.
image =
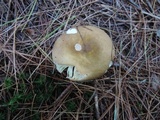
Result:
pixel 29 89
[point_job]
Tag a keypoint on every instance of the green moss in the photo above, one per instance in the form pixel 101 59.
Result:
pixel 8 83
pixel 16 96
pixel 71 106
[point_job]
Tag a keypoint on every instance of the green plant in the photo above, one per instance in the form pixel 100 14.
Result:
pixel 15 98
pixel 8 83
pixel 71 106
pixel 2 116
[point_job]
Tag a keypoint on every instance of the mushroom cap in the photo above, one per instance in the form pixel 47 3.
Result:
pixel 86 51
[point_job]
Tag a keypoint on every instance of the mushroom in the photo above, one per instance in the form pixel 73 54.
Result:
pixel 85 51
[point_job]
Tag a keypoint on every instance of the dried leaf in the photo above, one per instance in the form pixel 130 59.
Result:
pixel 30 32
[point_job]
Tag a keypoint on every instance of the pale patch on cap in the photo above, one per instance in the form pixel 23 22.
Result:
pixel 78 47
pixel 71 31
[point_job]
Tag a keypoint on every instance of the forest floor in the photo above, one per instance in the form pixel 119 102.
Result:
pixel 30 87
